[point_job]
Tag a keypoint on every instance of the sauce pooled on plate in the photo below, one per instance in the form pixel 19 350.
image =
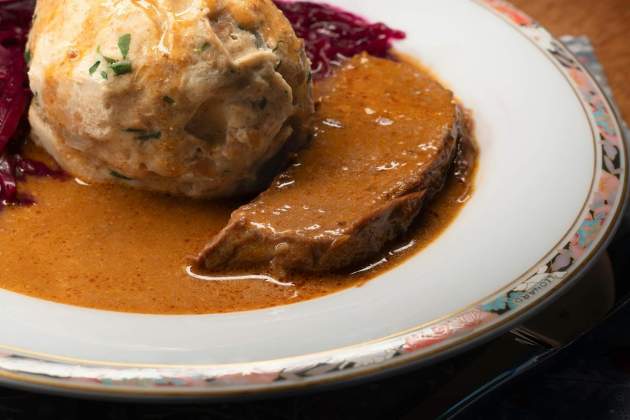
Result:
pixel 111 247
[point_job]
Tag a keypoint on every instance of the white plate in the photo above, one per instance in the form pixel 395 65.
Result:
pixel 550 188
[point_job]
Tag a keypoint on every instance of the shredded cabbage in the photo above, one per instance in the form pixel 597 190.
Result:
pixel 15 20
pixel 331 34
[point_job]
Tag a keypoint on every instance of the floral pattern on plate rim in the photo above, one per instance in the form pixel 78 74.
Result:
pixel 604 201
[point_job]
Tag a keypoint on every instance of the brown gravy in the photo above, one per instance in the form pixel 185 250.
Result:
pixel 113 248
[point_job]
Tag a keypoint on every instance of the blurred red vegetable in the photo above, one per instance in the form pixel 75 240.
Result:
pixel 331 34
pixel 15 20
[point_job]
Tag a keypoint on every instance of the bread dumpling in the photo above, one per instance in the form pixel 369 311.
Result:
pixel 187 97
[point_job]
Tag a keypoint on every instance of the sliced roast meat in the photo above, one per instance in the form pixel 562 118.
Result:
pixel 377 155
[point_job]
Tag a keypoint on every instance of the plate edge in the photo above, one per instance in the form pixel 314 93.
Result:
pixel 418 345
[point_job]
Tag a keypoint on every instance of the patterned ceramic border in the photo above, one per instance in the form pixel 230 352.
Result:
pixel 585 240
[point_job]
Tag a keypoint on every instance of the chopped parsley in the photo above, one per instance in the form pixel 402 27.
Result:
pixel 143 135
pixel 106 58
pixel 123 45
pixel 120 176
pixel 149 135
pixel 121 67
pixel 168 100
pixel 27 56
pixel 94 67
pixel 203 47
pixel 135 130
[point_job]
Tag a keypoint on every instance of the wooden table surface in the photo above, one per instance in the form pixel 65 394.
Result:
pixel 605 22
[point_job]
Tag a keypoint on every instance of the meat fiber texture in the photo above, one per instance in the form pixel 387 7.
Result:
pixel 382 148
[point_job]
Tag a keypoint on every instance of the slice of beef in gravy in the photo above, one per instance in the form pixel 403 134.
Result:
pixel 385 136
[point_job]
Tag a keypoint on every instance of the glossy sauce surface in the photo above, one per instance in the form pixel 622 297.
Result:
pixel 114 248
pixel 367 148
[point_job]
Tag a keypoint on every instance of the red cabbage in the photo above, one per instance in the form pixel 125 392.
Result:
pixel 15 95
pixel 331 34
pixel 15 19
